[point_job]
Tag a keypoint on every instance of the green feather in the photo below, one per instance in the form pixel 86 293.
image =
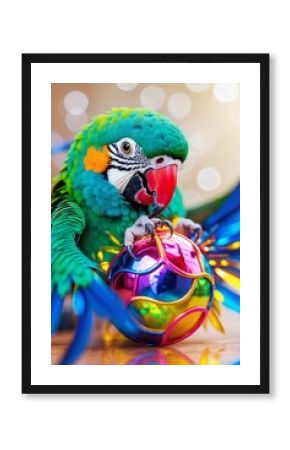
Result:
pixel 68 262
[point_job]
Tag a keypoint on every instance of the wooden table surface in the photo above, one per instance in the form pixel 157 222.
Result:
pixel 206 346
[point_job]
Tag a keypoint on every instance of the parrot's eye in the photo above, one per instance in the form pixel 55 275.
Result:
pixel 126 147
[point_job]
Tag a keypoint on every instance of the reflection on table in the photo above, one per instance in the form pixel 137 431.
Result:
pixel 109 347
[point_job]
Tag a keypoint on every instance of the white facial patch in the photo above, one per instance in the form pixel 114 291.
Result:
pixel 119 179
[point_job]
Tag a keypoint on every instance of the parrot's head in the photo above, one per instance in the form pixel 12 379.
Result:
pixel 135 150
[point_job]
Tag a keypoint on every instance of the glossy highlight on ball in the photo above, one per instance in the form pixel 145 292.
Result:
pixel 167 288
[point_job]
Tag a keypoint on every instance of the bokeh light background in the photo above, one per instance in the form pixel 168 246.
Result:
pixel 208 114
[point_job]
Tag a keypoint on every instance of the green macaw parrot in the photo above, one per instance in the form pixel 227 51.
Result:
pixel 119 175
pixel 121 171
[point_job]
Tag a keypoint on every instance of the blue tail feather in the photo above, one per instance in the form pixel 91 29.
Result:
pixel 56 310
pixel 82 334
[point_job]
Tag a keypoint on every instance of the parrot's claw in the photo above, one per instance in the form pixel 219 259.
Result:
pixel 130 251
pixel 190 228
pixel 150 229
pixel 142 227
pixel 197 232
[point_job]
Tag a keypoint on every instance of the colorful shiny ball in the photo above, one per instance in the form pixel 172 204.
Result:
pixel 167 288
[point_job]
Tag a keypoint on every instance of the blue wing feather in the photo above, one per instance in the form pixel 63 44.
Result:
pixel 231 204
pixel 220 244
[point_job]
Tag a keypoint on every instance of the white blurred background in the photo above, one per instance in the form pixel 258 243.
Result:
pixel 208 114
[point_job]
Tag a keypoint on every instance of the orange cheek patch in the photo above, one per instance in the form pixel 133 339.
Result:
pixel 96 160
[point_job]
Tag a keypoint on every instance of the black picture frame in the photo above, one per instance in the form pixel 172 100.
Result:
pixel 27 61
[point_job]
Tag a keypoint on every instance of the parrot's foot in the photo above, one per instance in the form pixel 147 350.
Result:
pixel 143 226
pixel 189 228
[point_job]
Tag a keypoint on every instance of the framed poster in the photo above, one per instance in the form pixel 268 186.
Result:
pixel 145 207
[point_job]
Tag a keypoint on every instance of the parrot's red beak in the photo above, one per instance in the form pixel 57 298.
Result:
pixel 160 187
